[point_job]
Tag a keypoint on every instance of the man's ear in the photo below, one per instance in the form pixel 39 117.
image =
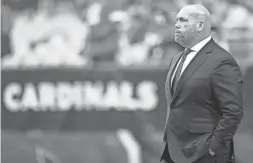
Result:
pixel 200 26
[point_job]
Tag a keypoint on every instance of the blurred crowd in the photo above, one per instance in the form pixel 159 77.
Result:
pixel 52 33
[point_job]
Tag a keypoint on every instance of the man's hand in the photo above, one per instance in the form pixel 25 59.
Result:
pixel 211 152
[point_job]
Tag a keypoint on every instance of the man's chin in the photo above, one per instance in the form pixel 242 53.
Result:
pixel 177 40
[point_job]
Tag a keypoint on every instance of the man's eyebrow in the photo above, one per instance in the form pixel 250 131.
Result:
pixel 181 18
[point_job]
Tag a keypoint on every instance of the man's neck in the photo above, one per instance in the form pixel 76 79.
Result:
pixel 194 42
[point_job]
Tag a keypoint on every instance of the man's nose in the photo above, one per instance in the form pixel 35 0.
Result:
pixel 177 26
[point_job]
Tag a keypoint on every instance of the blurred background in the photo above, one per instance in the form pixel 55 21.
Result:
pixel 83 80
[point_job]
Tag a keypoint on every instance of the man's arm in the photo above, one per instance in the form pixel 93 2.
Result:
pixel 227 87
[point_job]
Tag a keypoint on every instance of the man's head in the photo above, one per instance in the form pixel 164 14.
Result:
pixel 193 25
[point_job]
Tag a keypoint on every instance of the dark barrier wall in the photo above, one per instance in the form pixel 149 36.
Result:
pixel 82 99
pixel 91 99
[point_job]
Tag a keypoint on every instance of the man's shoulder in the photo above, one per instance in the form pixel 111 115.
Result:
pixel 221 55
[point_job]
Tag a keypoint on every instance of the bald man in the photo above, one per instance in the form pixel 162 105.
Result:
pixel 204 94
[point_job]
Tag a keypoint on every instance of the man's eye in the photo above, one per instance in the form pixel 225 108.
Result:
pixel 181 20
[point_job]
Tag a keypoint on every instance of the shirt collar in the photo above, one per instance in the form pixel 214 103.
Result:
pixel 201 44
